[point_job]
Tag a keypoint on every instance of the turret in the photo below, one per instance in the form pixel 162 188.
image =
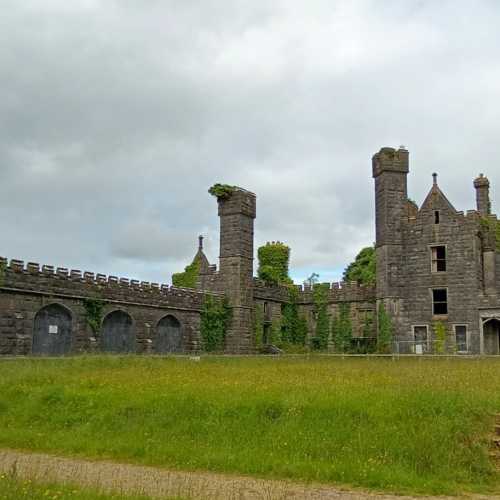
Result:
pixel 390 171
pixel 237 211
pixel 482 185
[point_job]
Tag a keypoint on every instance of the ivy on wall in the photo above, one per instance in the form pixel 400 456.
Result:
pixel 259 326
pixel 222 191
pixel 274 260
pixel 293 325
pixel 440 337
pixel 322 329
pixel 93 313
pixel 385 330
pixel 215 319
pixel 490 228
pixel 342 328
pixel 189 277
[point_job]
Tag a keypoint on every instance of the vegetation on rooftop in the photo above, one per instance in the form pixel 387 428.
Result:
pixel 274 261
pixel 222 191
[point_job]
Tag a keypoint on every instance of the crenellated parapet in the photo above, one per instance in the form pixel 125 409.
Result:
pixel 337 292
pixel 18 276
pixel 340 292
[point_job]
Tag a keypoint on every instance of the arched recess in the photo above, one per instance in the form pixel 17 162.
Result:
pixel 491 336
pixel 52 331
pixel 168 335
pixel 118 333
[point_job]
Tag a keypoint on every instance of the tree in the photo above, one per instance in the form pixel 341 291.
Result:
pixel 363 269
pixel 274 259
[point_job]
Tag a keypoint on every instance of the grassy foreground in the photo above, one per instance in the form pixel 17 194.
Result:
pixel 16 489
pixel 412 425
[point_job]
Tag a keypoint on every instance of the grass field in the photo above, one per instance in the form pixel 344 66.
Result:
pixel 16 489
pixel 411 425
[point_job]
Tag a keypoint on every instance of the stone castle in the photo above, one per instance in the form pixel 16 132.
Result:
pixel 435 266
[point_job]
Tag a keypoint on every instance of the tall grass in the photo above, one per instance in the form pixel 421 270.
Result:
pixel 17 489
pixel 413 425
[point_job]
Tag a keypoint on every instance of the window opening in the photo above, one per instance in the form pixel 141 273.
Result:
pixel 461 338
pixel 438 259
pixel 437 217
pixel 440 301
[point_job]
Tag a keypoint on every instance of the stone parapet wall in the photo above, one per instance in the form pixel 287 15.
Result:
pixel 33 278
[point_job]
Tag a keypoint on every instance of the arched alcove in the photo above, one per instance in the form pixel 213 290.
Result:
pixel 52 331
pixel 118 333
pixel 168 336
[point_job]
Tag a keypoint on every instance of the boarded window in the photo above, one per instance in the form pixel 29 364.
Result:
pixel 461 338
pixel 438 259
pixel 420 334
pixel 440 301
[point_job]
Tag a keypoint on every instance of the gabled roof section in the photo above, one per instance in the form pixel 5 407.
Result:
pixel 437 200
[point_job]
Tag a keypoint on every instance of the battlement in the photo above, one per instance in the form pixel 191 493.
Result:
pixel 32 277
pixel 390 159
pixel 337 292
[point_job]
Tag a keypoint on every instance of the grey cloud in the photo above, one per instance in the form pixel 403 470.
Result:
pixel 115 118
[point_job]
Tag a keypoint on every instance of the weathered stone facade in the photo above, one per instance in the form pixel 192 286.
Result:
pixel 435 266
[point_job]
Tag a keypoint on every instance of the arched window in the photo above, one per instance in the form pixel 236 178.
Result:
pixel 168 336
pixel 118 333
pixel 52 331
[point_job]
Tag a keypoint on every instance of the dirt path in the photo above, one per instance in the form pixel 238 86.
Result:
pixel 158 483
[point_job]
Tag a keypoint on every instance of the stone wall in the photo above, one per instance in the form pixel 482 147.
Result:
pixel 26 289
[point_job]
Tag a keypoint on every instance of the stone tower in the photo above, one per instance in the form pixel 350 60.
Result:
pixel 237 213
pixel 390 171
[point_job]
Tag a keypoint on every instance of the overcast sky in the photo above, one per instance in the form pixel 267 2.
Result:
pixel 117 116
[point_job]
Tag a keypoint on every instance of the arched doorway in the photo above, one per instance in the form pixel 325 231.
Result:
pixel 52 331
pixel 491 336
pixel 118 333
pixel 168 336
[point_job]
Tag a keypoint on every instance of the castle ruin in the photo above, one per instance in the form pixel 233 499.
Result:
pixel 435 266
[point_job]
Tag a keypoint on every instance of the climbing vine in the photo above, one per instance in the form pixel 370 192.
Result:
pixel 93 313
pixel 322 330
pixel 440 336
pixel 189 277
pixel 259 326
pixel 293 325
pixel 490 228
pixel 342 328
pixel 222 191
pixel 385 330
pixel 274 259
pixel 215 319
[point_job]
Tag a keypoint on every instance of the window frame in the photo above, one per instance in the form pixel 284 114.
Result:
pixel 466 326
pixel 447 302
pixel 433 248
pixel 423 343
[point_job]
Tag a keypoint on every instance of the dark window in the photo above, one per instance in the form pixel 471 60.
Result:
pixel 440 301
pixel 438 259
pixel 461 338
pixel 437 217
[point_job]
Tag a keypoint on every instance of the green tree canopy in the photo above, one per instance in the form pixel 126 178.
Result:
pixel 363 269
pixel 274 259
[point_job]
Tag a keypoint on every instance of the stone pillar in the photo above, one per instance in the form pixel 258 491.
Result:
pixel 482 185
pixel 237 213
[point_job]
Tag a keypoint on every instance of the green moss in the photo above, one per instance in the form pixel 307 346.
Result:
pixel 222 191
pixel 189 277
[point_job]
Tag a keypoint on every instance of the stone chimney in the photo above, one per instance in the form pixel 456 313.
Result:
pixel 482 185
